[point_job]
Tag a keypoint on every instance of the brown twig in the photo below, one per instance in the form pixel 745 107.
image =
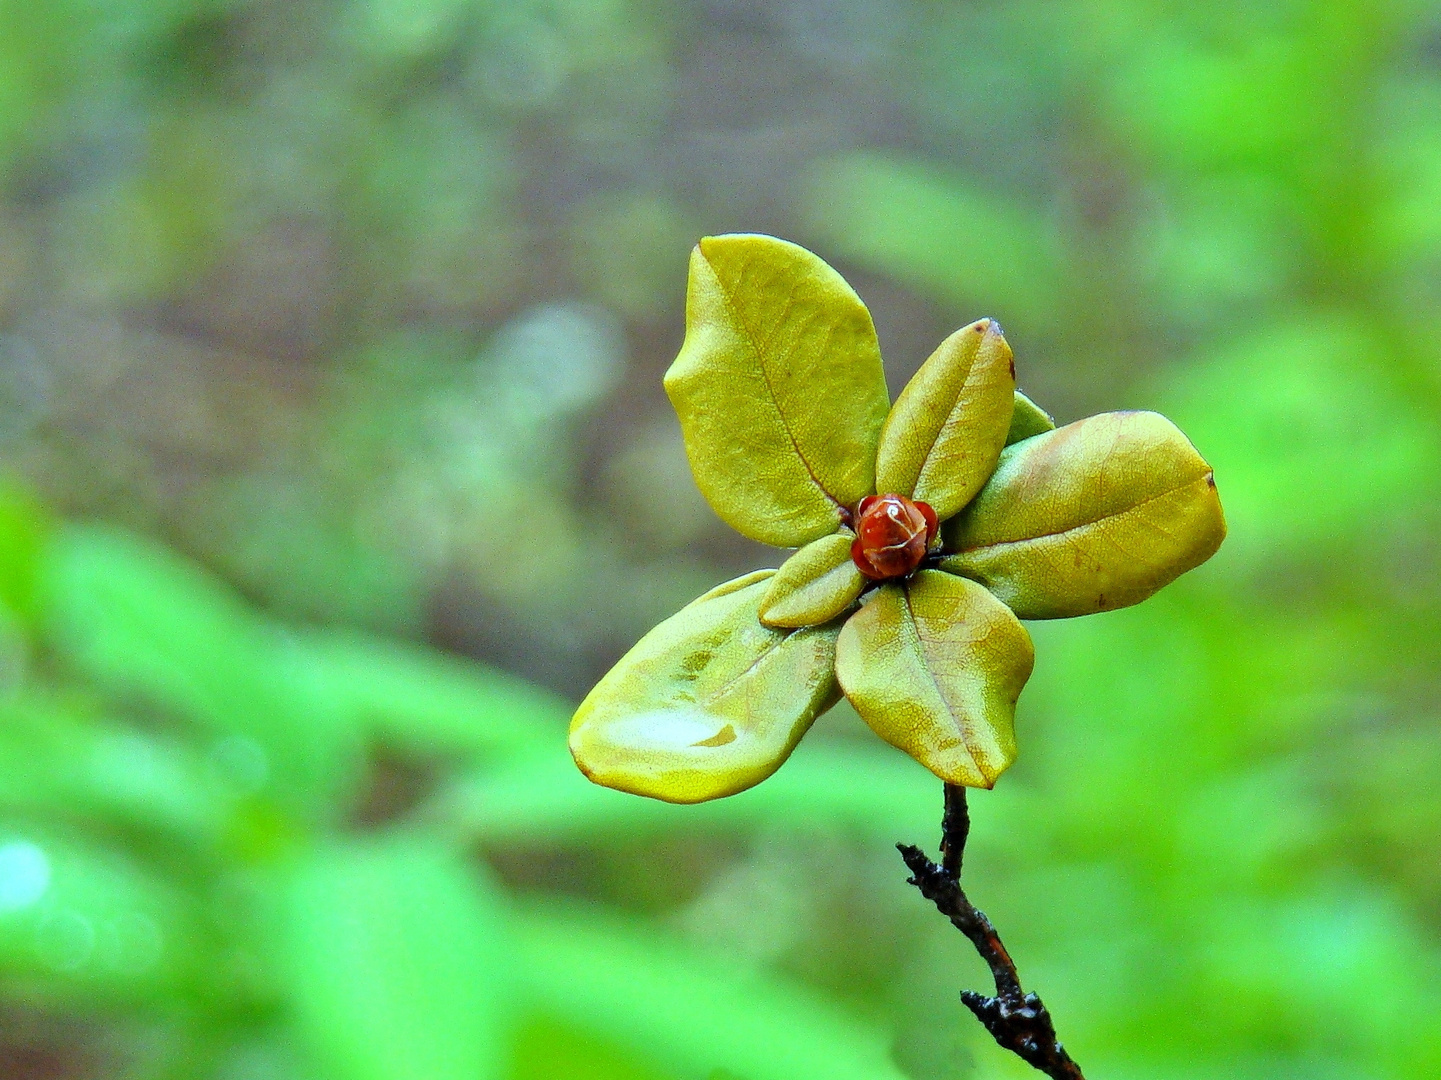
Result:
pixel 1016 1020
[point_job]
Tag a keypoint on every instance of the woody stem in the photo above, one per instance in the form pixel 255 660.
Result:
pixel 1017 1021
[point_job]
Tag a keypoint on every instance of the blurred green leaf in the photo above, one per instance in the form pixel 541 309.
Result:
pixel 429 703
pixel 1233 101
pixel 873 792
pixel 145 623
pixel 405 28
pixel 546 1048
pixel 48 51
pixel 1221 242
pixel 167 224
pixel 396 962
pixel 430 182
pixel 629 249
pixel 83 924
pixel 1312 432
pixel 689 1011
pixel 938 233
pixel 24 56
pixel 61 763
pixel 25 529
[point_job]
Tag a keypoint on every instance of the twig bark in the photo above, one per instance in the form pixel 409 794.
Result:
pixel 1016 1020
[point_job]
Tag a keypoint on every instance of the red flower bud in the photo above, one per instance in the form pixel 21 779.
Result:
pixel 893 535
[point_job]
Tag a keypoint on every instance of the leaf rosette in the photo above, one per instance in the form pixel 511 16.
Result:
pixel 924 530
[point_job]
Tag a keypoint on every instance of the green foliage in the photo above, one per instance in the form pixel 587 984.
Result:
pixel 352 301
pixel 546 801
pixel 395 962
pixel 1096 515
pixel 776 387
pixel 691 1011
pixel 941 440
pixel 432 704
pixel 1292 412
pixel 814 585
pixel 135 620
pixel 86 925
pixel 384 956
pixel 939 232
pixel 935 667
pixel 65 763
pixel 23 532
pixel 710 702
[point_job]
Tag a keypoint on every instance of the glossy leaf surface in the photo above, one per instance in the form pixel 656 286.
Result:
pixel 778 387
pixel 1027 419
pixel 942 438
pixel 1096 515
pixel 708 703
pixel 935 667
pixel 814 585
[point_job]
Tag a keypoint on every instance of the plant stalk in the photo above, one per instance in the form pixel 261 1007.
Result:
pixel 1018 1021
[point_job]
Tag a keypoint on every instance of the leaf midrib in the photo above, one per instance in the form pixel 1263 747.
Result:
pixel 1083 525
pixel 749 337
pixel 911 623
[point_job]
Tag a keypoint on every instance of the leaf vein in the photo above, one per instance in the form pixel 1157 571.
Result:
pixel 749 336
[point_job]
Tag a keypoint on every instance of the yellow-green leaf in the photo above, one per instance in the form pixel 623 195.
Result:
pixel 935 667
pixel 778 387
pixel 815 584
pixel 1027 419
pixel 1096 515
pixel 942 438
pixel 708 703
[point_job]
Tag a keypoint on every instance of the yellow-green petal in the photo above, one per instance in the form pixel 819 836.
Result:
pixel 1028 419
pixel 935 667
pixel 815 584
pixel 945 431
pixel 1096 515
pixel 778 387
pixel 708 703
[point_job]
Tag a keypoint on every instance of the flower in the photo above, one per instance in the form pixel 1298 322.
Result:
pixel 925 531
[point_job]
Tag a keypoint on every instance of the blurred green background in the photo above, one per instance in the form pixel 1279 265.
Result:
pixel 337 467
